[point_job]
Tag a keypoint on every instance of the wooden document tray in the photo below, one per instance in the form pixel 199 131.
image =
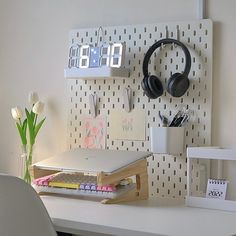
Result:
pixel 109 167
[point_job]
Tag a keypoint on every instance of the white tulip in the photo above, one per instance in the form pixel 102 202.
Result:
pixel 33 98
pixel 16 113
pixel 38 107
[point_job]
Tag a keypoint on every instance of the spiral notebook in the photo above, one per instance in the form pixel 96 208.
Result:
pixel 216 188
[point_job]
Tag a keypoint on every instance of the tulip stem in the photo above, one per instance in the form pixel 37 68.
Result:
pixel 28 163
pixel 35 121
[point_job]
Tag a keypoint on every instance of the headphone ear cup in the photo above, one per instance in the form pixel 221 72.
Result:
pixel 155 86
pixel 178 84
pixel 146 89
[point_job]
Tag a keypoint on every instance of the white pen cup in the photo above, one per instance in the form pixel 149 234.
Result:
pixel 168 140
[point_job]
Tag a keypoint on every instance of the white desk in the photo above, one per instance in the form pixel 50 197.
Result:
pixel 143 218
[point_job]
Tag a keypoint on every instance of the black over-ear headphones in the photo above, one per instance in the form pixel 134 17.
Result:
pixel 177 84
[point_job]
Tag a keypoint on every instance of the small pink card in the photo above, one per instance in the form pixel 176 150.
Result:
pixel 94 132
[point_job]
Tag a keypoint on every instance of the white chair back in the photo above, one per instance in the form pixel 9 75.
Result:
pixel 22 212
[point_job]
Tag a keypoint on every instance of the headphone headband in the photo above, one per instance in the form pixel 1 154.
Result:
pixel 163 42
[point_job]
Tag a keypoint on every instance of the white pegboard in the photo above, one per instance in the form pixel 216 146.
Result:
pixel 167 174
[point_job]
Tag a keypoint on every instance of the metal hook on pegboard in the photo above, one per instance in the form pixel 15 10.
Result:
pixel 166 36
pixel 177 32
pixel 93 104
pixel 127 93
pixel 167 32
pixel 100 29
pixel 177 36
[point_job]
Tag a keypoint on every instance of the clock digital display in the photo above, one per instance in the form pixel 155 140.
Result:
pixel 87 56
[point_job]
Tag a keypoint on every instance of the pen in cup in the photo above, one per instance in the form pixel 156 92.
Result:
pixel 180 119
pixel 164 120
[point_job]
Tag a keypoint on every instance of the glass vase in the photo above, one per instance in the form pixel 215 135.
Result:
pixel 26 162
pixel 21 162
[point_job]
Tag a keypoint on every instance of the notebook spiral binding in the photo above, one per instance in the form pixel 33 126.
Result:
pixel 217 181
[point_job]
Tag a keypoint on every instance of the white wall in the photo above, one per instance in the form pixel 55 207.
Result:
pixel 33 53
pixel 224 80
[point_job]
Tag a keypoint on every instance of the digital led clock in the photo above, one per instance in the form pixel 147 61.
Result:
pixel 87 56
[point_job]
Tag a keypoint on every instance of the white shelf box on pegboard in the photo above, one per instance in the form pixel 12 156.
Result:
pixel 209 153
pixel 96 73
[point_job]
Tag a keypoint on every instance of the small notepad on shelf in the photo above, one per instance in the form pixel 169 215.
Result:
pixel 216 188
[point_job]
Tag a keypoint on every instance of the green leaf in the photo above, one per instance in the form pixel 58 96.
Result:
pixel 23 137
pixel 24 126
pixel 32 114
pixel 30 122
pixel 38 126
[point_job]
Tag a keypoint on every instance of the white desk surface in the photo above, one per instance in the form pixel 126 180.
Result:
pixel 142 218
